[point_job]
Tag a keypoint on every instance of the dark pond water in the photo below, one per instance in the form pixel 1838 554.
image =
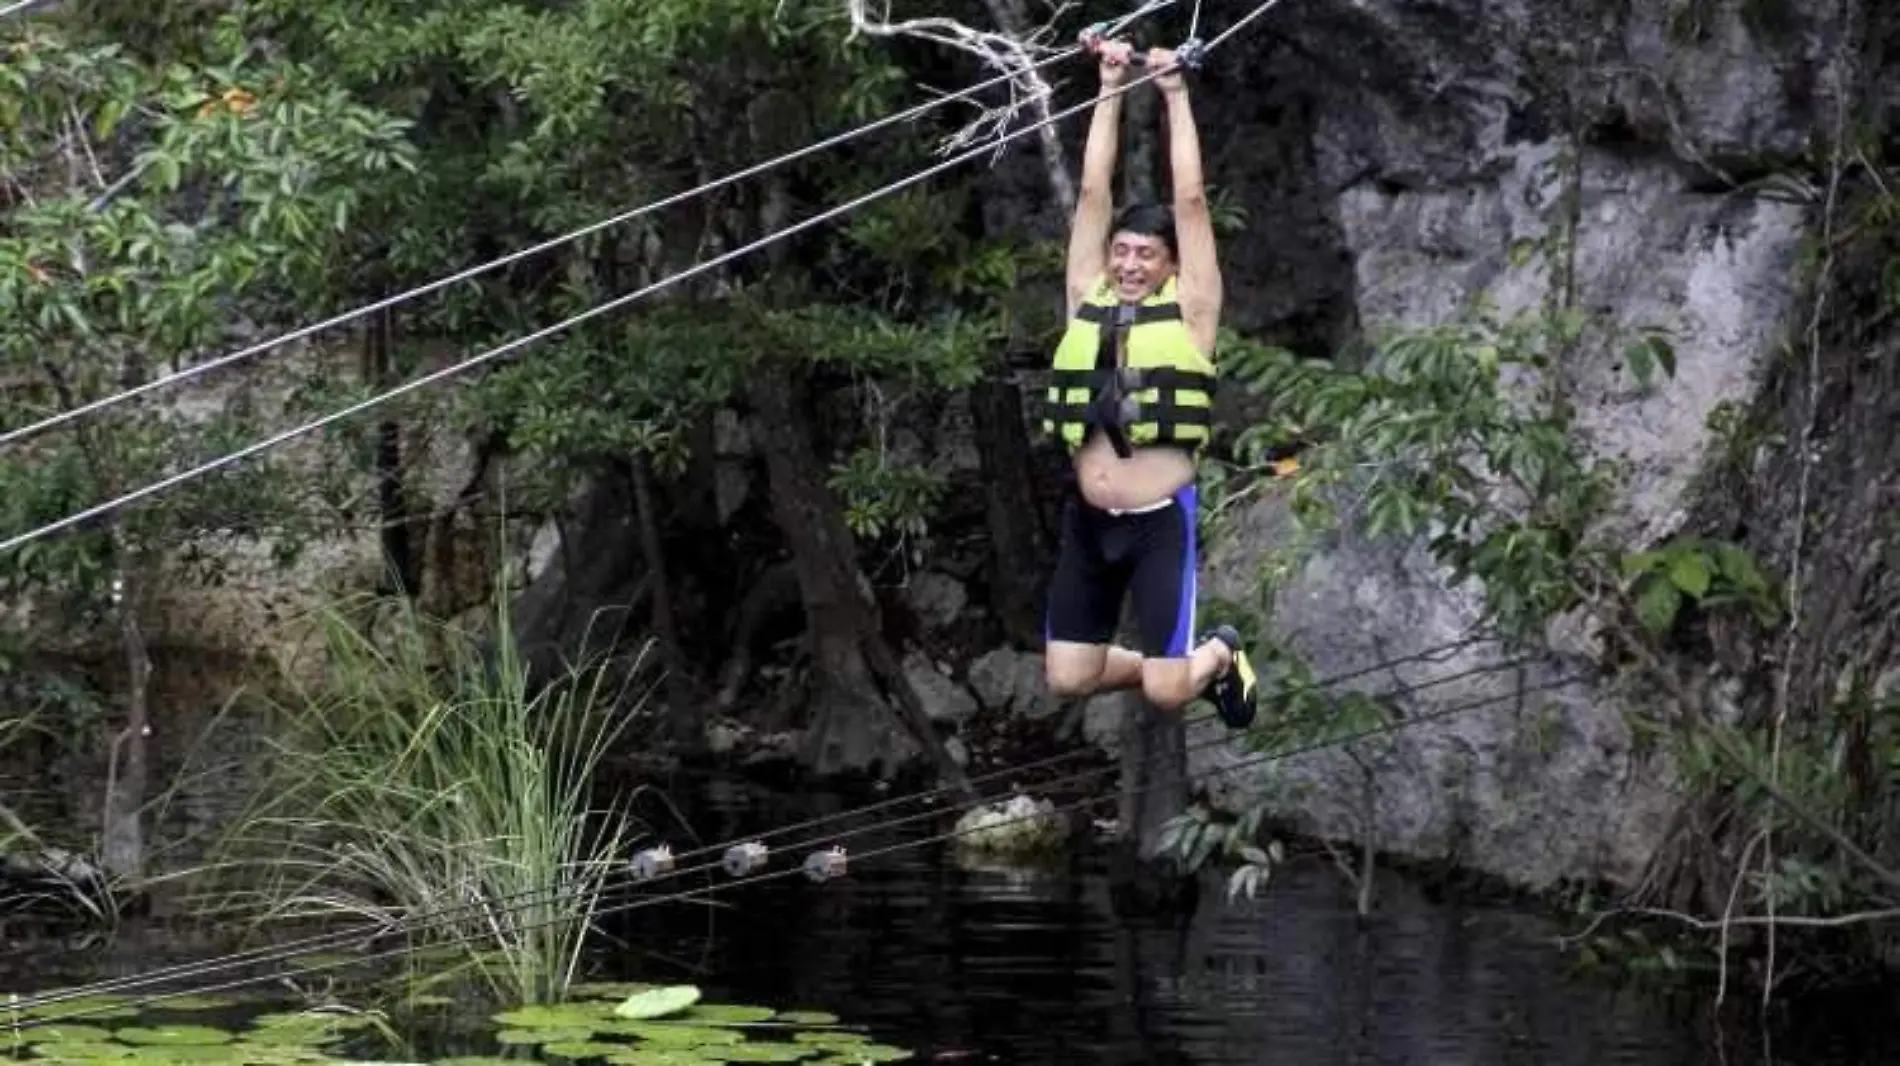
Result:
pixel 1040 970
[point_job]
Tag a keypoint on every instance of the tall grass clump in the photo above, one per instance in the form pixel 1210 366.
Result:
pixel 422 774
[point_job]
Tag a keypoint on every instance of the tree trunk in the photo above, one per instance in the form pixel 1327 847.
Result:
pixel 122 833
pixel 1154 771
pixel 682 720
pixel 849 725
pixel 399 555
pixel 1019 546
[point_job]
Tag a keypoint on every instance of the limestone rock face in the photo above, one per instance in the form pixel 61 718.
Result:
pixel 1429 136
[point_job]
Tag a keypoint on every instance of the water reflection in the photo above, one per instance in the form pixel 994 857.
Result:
pixel 1042 972
pixel 987 967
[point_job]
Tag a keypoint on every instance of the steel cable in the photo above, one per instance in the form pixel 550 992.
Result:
pixel 502 907
pixel 673 897
pixel 534 897
pixel 13 435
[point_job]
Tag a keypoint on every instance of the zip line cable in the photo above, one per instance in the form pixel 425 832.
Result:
pixel 13 435
pixel 601 309
pixel 521 900
pixel 1257 759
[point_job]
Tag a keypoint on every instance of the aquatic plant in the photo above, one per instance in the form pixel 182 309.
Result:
pixel 424 777
pixel 620 1025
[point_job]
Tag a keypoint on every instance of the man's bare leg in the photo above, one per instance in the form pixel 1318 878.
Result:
pixel 1077 670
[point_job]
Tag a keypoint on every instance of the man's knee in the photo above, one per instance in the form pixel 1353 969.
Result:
pixel 1167 683
pixel 1071 673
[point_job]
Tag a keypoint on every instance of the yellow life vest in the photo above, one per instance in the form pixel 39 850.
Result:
pixel 1160 386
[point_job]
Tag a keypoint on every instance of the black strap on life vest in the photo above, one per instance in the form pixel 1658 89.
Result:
pixel 1120 383
pixel 1108 411
pixel 1143 314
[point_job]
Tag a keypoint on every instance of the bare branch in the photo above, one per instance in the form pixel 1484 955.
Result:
pixel 1017 56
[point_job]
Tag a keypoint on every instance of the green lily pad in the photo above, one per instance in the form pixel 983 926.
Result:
pixel 658 1002
pixel 728 1014
pixel 833 1038
pixel 808 1017
pixel 658 1056
pixel 84 1050
pixel 561 1016
pixel 64 1032
pixel 173 1035
pixel 195 1002
pixel 608 989
pixel 765 1052
pixel 303 1027
pixel 542 1036
pixel 429 999
pixel 92 1008
pixel 677 1035
pixel 485 1060
pixel 254 1053
pixel 580 1049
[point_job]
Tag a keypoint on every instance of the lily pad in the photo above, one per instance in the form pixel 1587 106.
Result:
pixel 658 1056
pixel 728 1014
pixel 608 989
pixel 808 1017
pixel 84 1050
pixel 834 1038
pixel 580 1049
pixel 543 1036
pixel 480 1060
pixel 561 1016
pixel 429 999
pixel 92 1008
pixel 194 1002
pixel 677 1035
pixel 658 1002
pixel 64 1032
pixel 173 1035
pixel 766 1052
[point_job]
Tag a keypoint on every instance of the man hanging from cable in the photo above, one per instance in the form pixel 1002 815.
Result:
pixel 1131 397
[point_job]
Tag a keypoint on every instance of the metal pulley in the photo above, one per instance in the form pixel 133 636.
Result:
pixel 822 866
pixel 652 863
pixel 742 859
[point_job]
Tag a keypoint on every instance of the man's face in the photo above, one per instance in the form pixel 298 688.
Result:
pixel 1138 264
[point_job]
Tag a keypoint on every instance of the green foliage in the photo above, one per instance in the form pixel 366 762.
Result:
pixel 153 204
pixel 885 498
pixel 423 774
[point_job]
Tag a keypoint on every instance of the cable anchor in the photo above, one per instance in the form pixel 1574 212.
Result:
pixel 651 863
pixel 742 859
pixel 822 866
pixel 1192 53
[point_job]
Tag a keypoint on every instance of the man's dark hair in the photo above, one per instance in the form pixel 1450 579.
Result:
pixel 1148 220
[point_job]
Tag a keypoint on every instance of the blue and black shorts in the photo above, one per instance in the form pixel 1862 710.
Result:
pixel 1107 555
